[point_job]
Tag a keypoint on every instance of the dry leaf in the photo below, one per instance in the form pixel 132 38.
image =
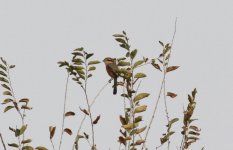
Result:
pixel 172 95
pixel 70 113
pixel 96 120
pixel 172 68
pixel 68 131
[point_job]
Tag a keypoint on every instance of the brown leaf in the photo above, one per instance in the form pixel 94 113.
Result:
pixel 122 140
pixel 96 120
pixel 70 113
pixel 52 131
pixel 84 111
pixel 156 66
pixel 172 68
pixel 24 100
pixel 123 120
pixel 139 142
pixel 172 95
pixel 68 131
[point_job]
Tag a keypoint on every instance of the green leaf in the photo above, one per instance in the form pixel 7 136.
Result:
pixel 161 43
pixel 27 147
pixel 4 62
pixel 140 96
pixel 77 61
pixel 4 80
pixel 118 35
pixel 26 141
pixel 8 108
pixel 13 145
pixel 63 63
pixel 3 74
pixel 79 49
pixel 125 46
pixel 172 121
pixel 92 68
pixel 133 54
pixel 90 75
pixel 3 67
pixel 7 93
pixel 138 63
pixel 12 66
pixel 6 86
pixel 140 75
pixel 77 54
pixel 123 63
pixel 89 55
pixel 21 130
pixel 41 148
pixel 80 72
pixel 120 40
pixel 5 101
pixel 93 62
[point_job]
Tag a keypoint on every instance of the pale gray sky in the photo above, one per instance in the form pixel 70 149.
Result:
pixel 35 35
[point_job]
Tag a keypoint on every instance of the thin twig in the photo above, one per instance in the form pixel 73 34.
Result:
pixel 52 144
pixel 64 111
pixel 160 91
pixel 4 146
pixel 84 117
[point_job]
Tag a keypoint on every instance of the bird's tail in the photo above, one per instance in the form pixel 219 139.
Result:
pixel 115 86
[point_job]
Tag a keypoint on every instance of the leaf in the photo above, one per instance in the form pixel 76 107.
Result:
pixel 125 46
pixel 8 108
pixel 172 95
pixel 93 62
pixel 70 113
pixel 5 101
pixel 130 126
pixel 161 43
pixel 92 68
pixel 89 55
pixel 139 142
pixel 123 63
pixel 140 109
pixel 7 93
pixel 79 49
pixel 86 135
pixel 171 68
pixel 194 92
pixel 123 120
pixel 84 111
pixel 4 80
pixel 96 120
pixel 63 63
pixel 133 54
pixel 41 148
pixel 13 145
pixel 140 75
pixel 90 75
pixel 138 119
pixel 21 130
pixel 6 87
pixel 140 130
pixel 138 63
pixel 3 67
pixel 24 100
pixel 51 131
pixel 26 141
pixel 118 35
pixel 120 40
pixel 171 122
pixel 27 147
pixel 140 96
pixel 77 54
pixel 12 66
pixel 4 62
pixel 122 140
pixel 156 66
pixel 3 74
pixel 68 131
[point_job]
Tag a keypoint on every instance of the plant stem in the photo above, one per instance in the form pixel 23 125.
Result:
pixel 3 144
pixel 64 111
pixel 84 117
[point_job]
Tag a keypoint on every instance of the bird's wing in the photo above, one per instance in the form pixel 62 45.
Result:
pixel 113 66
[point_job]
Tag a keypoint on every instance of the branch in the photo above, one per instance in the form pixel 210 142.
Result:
pixel 4 146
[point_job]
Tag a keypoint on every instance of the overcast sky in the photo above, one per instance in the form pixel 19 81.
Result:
pixel 35 35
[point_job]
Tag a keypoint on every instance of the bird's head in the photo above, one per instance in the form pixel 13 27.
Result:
pixel 108 60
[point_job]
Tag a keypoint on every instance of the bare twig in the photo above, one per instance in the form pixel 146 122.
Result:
pixel 84 117
pixel 160 91
pixel 3 144
pixel 64 111
pixel 51 141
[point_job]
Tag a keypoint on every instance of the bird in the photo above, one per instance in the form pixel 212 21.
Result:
pixel 112 68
